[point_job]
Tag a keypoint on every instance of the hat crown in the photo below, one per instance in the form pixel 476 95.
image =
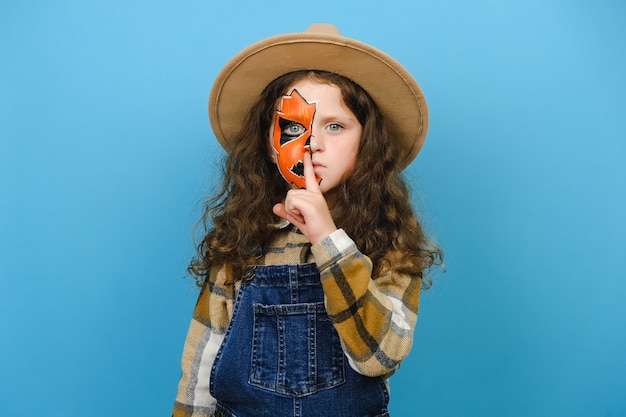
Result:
pixel 323 28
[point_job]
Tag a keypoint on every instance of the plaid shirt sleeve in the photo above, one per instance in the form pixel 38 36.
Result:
pixel 206 333
pixel 375 318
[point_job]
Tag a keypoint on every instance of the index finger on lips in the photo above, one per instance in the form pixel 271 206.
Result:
pixel 309 174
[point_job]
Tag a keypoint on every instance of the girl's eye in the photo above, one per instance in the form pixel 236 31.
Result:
pixel 334 127
pixel 294 129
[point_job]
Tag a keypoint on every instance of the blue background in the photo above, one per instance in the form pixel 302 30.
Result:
pixel 106 154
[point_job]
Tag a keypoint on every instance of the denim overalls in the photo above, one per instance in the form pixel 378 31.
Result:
pixel 281 355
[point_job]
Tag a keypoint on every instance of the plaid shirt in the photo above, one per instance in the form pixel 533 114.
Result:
pixel 374 318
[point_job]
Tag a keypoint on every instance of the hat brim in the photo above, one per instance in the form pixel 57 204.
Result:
pixel 392 87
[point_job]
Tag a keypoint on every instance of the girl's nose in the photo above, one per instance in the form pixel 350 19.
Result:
pixel 316 142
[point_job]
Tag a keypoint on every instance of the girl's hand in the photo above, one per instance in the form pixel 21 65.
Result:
pixel 307 209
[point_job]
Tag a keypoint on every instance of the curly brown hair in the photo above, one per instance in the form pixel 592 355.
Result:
pixel 372 204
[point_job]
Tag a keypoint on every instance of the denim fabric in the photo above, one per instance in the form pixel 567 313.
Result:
pixel 281 355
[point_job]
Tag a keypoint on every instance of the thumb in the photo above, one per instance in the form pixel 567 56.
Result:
pixel 280 210
pixel 296 219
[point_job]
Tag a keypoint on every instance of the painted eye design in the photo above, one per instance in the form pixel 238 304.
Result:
pixel 290 130
pixel 294 129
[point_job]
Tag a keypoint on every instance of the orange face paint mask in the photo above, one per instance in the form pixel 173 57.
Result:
pixel 292 136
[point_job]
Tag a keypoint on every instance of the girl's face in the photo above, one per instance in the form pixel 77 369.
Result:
pixel 314 118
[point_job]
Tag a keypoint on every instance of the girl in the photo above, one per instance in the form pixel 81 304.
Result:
pixel 312 264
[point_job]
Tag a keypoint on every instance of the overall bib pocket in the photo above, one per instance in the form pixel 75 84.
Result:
pixel 295 349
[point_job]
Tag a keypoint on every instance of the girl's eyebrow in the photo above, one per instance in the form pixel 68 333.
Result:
pixel 335 118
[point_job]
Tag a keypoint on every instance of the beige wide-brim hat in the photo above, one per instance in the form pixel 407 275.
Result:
pixel 321 47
